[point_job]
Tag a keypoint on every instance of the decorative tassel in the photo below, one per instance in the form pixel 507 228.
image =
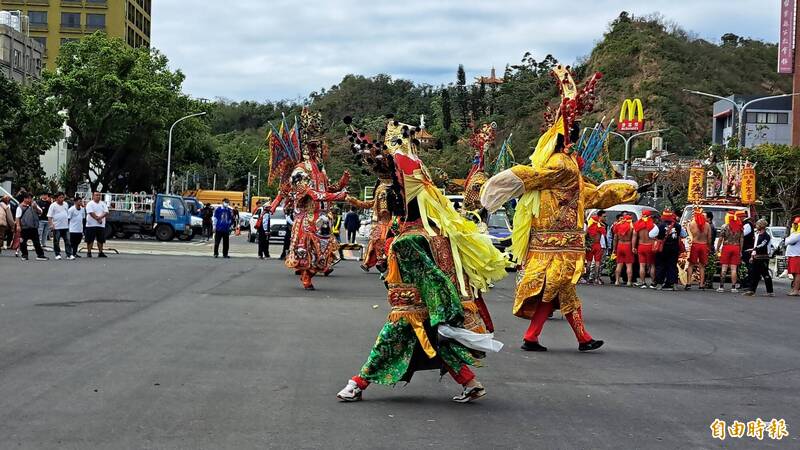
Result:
pixel 393 270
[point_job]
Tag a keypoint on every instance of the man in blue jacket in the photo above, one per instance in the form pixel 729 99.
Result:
pixel 224 218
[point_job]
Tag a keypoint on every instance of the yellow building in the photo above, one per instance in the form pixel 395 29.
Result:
pixel 54 22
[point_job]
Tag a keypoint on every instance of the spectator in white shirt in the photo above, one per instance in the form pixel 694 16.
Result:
pixel 96 212
pixel 59 222
pixel 77 214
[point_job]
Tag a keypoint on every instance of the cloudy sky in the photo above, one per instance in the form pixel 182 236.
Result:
pixel 277 49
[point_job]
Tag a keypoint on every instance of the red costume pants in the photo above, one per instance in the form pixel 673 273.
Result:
pixel 731 255
pixel 543 310
pixel 595 253
pixel 698 254
pixel 646 255
pixel 624 253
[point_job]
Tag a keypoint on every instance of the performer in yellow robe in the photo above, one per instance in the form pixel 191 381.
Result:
pixel 548 236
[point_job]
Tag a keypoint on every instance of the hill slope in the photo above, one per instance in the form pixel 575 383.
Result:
pixel 639 58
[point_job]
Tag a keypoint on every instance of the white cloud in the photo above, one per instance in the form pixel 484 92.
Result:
pixel 275 49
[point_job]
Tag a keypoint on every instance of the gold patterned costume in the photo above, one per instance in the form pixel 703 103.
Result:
pixel 548 238
pixel 375 254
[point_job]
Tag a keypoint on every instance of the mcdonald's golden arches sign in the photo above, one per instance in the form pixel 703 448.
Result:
pixel 631 116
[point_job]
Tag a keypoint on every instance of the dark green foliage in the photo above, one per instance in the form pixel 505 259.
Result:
pixel 29 125
pixel 447 117
pixel 120 103
pixel 462 100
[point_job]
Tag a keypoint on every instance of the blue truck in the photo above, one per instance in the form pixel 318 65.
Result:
pixel 195 206
pixel 164 216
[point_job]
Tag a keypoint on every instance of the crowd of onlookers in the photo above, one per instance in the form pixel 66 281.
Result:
pixel 52 216
pixel 656 243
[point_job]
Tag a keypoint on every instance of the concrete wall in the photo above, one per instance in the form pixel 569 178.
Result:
pixel 55 158
pixel 20 58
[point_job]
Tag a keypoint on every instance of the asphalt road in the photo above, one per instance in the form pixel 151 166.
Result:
pixel 185 352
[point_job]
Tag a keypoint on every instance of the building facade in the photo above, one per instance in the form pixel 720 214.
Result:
pixel 768 121
pixel 20 56
pixel 56 22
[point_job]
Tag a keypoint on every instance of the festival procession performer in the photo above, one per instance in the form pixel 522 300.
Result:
pixel 623 249
pixel 548 236
pixel 643 247
pixel 437 263
pixel 700 235
pixel 793 254
pixel 296 156
pixel 482 138
pixel 375 254
pixel 595 237
pixel 729 249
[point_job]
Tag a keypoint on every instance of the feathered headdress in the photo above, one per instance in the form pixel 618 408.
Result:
pixel 504 159
pixel 473 252
pixel 574 103
pixel 284 151
pixel 592 147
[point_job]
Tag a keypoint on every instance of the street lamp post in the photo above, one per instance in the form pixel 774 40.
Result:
pixel 740 109
pixel 169 144
pixel 627 141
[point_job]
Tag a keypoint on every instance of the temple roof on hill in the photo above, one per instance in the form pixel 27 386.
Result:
pixel 491 79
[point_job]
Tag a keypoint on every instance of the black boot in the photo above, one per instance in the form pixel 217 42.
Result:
pixel 589 346
pixel 533 347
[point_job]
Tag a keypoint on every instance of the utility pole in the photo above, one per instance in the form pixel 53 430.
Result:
pixel 627 141
pixel 249 177
pixel 169 145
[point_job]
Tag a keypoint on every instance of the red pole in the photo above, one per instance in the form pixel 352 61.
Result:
pixel 796 82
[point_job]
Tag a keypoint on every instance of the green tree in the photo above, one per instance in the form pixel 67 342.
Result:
pixel 447 116
pixel 29 125
pixel 462 100
pixel 778 171
pixel 120 103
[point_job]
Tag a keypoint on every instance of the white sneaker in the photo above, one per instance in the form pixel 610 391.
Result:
pixel 734 290
pixel 350 393
pixel 720 289
pixel 71 257
pixel 470 394
pixel 58 257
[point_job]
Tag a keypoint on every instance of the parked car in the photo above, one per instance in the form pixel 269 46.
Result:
pixel 277 224
pixel 634 210
pixel 777 236
pixel 718 211
pixel 499 230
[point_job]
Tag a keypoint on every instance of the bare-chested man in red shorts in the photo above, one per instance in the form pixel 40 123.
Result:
pixel 623 236
pixel 729 248
pixel 700 234
pixel 643 246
